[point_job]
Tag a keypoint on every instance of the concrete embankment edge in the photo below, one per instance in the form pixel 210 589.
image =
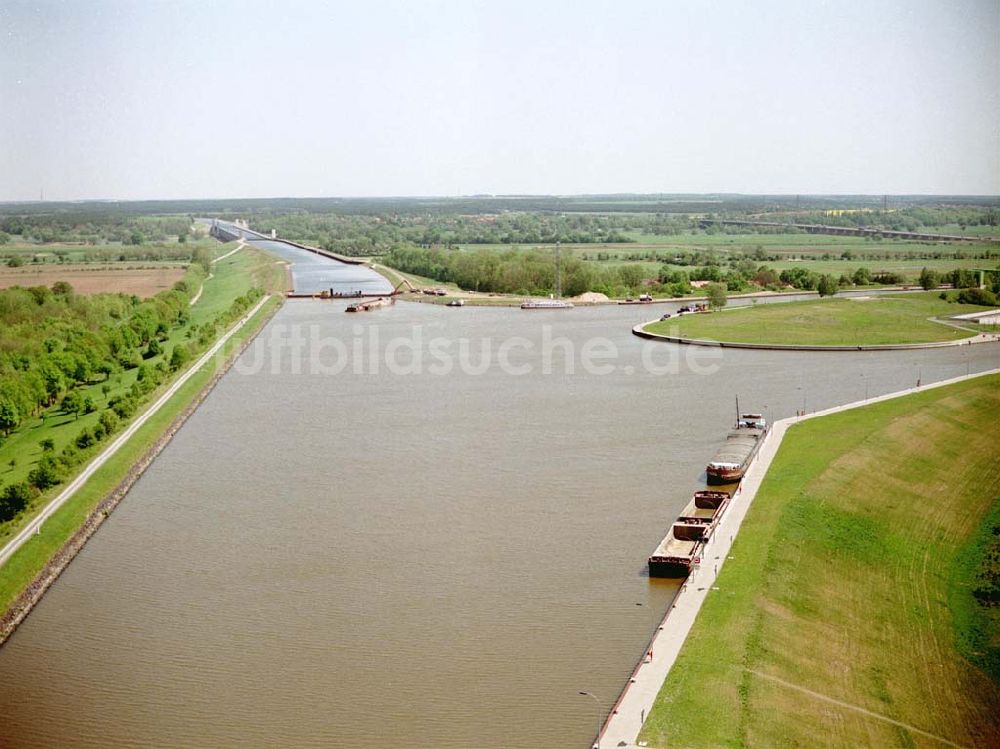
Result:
pixel 318 251
pixel 29 598
pixel 622 726
pixel 639 330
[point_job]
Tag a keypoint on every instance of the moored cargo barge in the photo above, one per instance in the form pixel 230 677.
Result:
pixel 673 557
pixel 680 549
pixel 732 460
pixel 369 306
pixel 696 522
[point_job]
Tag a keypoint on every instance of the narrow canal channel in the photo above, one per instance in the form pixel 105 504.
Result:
pixel 409 560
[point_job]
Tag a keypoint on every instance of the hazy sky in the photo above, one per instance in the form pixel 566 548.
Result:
pixel 160 99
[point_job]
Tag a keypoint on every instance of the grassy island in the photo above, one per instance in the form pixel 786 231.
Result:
pixel 858 321
pixel 856 608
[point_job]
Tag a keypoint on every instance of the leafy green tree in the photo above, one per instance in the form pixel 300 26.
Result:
pixel 72 403
pixel 85 439
pixel 827 285
pixel 983 297
pixel 123 408
pixel 45 474
pixel 48 445
pixel 862 277
pixel 929 279
pixel 716 294
pixel 14 499
pixel 109 421
pixel 54 381
pixel 962 278
pixel 9 416
pixel 203 257
pixel 179 357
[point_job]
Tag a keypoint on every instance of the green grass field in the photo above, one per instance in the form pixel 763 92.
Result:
pixel 849 581
pixel 20 452
pixel 826 322
pixel 816 252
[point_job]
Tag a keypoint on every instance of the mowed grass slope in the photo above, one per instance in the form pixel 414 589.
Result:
pixel 826 322
pixel 842 584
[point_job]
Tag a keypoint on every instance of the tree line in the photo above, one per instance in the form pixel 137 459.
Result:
pixel 54 344
pixel 92 228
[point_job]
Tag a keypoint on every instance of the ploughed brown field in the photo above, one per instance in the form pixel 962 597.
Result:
pixel 90 279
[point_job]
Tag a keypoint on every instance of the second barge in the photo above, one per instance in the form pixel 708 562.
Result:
pixel 681 548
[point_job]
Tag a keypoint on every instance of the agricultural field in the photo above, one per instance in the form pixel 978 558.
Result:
pixel 143 280
pixel 854 609
pixel 851 321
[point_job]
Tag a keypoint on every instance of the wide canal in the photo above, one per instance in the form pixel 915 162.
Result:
pixel 346 546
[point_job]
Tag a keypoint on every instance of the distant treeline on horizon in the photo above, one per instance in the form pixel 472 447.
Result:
pixel 681 203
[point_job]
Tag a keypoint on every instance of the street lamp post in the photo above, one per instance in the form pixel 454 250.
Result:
pixel 600 712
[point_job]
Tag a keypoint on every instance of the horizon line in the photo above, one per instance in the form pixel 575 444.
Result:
pixel 511 196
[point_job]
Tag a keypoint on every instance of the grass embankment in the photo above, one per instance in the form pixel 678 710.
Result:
pixel 851 578
pixel 232 277
pixel 826 322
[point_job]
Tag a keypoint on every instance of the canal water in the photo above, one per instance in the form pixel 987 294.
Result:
pixel 312 273
pixel 346 547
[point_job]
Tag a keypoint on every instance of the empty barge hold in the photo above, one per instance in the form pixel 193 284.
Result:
pixel 710 500
pixel 682 546
pixel 673 557
pixel 734 457
pixel 695 522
